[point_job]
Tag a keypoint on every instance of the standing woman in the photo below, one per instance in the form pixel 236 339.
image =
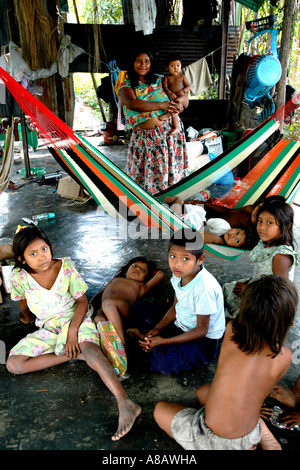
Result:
pixel 156 158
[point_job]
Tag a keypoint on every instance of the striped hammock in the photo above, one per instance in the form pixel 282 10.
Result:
pixel 276 173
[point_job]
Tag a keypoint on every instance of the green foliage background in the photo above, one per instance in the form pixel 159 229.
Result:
pixel 110 12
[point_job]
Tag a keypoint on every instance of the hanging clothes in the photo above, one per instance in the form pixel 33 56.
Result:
pixel 198 75
pixel 144 15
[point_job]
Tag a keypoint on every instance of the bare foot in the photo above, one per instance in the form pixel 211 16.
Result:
pixel 284 395
pixel 135 333
pixel 12 185
pixel 128 412
pixel 175 131
pixel 268 441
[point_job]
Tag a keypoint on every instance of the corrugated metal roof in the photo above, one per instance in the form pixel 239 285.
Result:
pixel 118 41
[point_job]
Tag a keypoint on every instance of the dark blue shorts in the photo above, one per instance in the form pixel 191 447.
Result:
pixel 184 356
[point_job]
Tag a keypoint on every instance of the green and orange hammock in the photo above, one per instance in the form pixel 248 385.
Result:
pixel 278 172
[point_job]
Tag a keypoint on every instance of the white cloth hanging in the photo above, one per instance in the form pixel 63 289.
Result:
pixel 144 15
pixel 198 75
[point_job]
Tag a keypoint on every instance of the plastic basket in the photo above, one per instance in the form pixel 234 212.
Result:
pixel 264 71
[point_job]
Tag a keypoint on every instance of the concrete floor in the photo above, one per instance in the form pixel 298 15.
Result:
pixel 67 407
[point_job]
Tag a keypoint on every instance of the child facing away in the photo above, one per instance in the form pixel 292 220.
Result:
pixel 53 291
pixel 130 284
pixel 252 359
pixel 175 84
pixel 195 323
pixel 274 253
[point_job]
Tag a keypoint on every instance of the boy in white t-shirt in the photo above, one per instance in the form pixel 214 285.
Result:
pixel 195 323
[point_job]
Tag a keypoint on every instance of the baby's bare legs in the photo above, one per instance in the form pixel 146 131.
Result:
pixel 163 414
pixel 128 410
pixel 164 117
pixel 175 124
pixel 115 310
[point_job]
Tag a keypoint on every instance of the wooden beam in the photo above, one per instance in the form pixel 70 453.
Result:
pixel 224 51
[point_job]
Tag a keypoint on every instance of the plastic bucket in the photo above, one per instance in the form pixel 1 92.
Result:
pixel 110 133
pixel 231 137
pixel 32 137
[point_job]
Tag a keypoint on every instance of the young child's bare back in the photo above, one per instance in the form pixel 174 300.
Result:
pixel 252 359
pixel 121 293
pixel 240 386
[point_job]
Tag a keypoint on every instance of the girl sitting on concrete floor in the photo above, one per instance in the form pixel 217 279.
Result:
pixel 53 291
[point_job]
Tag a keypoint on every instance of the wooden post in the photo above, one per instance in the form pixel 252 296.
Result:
pixel 25 144
pixel 284 50
pixel 223 66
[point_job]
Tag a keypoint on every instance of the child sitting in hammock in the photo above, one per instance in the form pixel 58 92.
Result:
pixel 130 284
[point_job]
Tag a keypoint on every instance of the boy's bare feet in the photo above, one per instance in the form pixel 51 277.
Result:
pixel 268 441
pixel 175 131
pixel 284 395
pixel 135 333
pixel 128 412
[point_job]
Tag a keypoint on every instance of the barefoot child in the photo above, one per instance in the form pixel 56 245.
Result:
pixel 195 324
pixel 252 359
pixel 175 84
pixel 132 282
pixel 53 291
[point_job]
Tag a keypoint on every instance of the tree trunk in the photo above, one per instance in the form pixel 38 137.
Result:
pixel 285 50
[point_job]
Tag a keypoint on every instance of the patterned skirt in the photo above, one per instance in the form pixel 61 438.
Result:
pixel 52 338
pixel 156 159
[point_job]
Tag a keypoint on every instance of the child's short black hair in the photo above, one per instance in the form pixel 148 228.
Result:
pixel 267 310
pixel 150 264
pixel 190 239
pixel 172 57
pixel 21 241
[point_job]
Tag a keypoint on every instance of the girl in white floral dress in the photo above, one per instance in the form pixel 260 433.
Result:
pixel 274 253
pixel 53 292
